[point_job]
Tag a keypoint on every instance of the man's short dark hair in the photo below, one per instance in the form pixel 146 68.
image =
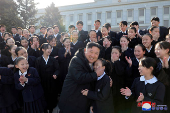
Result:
pixel 97 21
pixel 79 22
pixel 93 44
pixel 55 26
pixel 19 28
pixel 3 25
pixel 71 26
pixel 43 27
pixel 107 25
pixel 123 22
pixel 14 27
pixel 91 31
pixel 134 23
pixel 152 28
pixel 155 18
pixel 31 26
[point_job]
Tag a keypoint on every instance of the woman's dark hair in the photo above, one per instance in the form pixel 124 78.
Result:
pixel 23 38
pixel 63 33
pixel 10 47
pixel 157 69
pixel 18 49
pixel 31 39
pixel 118 48
pixel 164 45
pixel 6 34
pixel 45 46
pixel 133 28
pixel 142 46
pixel 149 35
pixel 49 28
pixel 65 39
pixel 152 28
pixel 108 37
pixel 50 38
pixel 17 60
pixel 125 38
pixel 105 27
pixel 108 66
pixel 10 38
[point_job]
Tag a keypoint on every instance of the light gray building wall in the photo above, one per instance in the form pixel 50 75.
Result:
pixel 114 11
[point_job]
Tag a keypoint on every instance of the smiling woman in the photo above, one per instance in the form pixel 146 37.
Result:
pixel 44 4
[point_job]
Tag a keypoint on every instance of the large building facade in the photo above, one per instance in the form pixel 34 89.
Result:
pixel 114 11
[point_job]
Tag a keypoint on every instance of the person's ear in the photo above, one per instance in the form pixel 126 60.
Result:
pixel 151 68
pixel 84 50
pixel 167 50
pixel 103 67
pixel 16 66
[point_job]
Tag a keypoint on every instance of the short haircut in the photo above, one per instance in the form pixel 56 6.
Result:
pixel 18 49
pixel 97 21
pixel 14 27
pixel 107 25
pixel 123 22
pixel 6 34
pixel 93 44
pixel 55 26
pixel 79 22
pixel 152 28
pixel 134 23
pixel 31 26
pixel 19 28
pixel 31 39
pixel 43 27
pixel 3 26
pixel 71 26
pixel 91 31
pixel 155 18
pixel 45 46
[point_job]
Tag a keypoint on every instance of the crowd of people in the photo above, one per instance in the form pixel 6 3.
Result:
pixel 101 71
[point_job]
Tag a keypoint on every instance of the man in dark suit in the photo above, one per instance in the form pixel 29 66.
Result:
pixel 92 37
pixel 123 31
pixel 32 30
pixel 162 30
pixel 43 30
pixel 112 34
pixel 2 29
pixel 135 24
pixel 82 35
pixel 80 76
pixel 56 32
pixel 96 26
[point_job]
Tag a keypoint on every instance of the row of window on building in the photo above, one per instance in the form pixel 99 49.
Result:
pixel 130 16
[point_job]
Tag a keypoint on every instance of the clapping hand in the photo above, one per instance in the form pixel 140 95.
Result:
pixel 126 92
pixel 129 61
pixel 85 92
pixel 140 98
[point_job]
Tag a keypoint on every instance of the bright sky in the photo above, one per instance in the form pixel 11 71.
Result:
pixel 45 3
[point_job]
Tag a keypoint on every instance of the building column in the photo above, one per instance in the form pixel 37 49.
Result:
pixel 136 15
pixel 75 18
pixel 147 15
pixel 124 14
pixel 103 18
pixel 93 19
pixel 113 17
pixel 160 14
pixel 85 21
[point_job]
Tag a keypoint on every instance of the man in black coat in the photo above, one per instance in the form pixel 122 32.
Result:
pixel 82 35
pixel 162 30
pixel 80 76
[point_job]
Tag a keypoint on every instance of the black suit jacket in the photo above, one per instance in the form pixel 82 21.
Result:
pixel 120 34
pixel 32 90
pixel 152 92
pixel 163 32
pixel 80 76
pixel 102 96
pixel 112 34
pixel 82 35
pixel 99 34
pixel 7 92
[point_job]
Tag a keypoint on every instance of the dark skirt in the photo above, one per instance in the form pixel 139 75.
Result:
pixel 15 106
pixel 36 106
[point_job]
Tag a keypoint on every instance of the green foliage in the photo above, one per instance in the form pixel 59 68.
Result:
pixel 9 14
pixel 27 11
pixel 52 17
